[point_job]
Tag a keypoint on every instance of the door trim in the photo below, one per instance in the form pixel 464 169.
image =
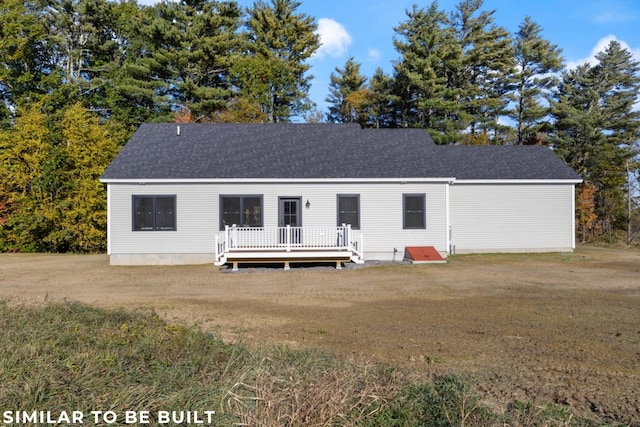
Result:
pixel 282 199
pixel 294 235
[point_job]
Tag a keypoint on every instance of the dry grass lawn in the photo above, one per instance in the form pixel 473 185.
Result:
pixel 542 327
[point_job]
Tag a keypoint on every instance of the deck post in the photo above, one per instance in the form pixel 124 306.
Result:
pixel 347 237
pixel 232 241
pixel 217 248
pixel 287 239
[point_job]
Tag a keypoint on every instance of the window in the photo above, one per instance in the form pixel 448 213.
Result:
pixel 414 208
pixel 349 210
pixel 154 213
pixel 243 211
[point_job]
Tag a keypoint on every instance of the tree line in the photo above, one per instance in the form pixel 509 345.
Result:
pixel 78 76
pixel 468 80
pixel 134 64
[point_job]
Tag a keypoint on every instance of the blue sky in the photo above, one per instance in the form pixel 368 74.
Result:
pixel 364 29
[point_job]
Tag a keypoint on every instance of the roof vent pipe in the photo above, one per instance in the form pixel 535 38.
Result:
pixel 177 130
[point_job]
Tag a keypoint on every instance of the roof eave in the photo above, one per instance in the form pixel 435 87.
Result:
pixel 142 181
pixel 518 181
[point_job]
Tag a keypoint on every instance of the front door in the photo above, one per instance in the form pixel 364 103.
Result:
pixel 289 214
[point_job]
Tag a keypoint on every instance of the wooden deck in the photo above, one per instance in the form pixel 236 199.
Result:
pixel 288 245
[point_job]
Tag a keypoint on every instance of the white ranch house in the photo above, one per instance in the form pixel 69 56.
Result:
pixel 234 193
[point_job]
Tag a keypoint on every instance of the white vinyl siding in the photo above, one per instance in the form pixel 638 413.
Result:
pixel 198 216
pixel 511 217
pixel 193 233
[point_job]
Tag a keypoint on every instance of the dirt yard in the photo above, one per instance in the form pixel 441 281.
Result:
pixel 548 327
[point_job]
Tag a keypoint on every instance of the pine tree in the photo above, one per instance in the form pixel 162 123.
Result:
pixel 136 87
pixel 347 94
pixel 487 60
pixel 128 82
pixel 274 72
pixel 241 110
pixel 453 72
pixel 537 62
pixel 64 51
pixel 193 44
pixel 430 55
pixel 596 127
pixel 81 34
pixel 578 124
pixel 381 103
pixel 27 65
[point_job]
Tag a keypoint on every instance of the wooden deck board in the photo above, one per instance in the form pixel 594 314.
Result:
pixel 245 254
pixel 275 257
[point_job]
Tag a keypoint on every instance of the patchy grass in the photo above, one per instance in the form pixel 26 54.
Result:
pixel 501 258
pixel 72 357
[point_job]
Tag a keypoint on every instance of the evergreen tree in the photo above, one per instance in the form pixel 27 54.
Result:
pixel 273 74
pixel 418 72
pixel 577 120
pixel 193 44
pixel 596 127
pixel 126 83
pixel 381 101
pixel 424 85
pixel 453 73
pixel 79 50
pixel 487 60
pixel 27 67
pixel 241 110
pixel 537 62
pixel 132 87
pixel 345 94
pixel 83 46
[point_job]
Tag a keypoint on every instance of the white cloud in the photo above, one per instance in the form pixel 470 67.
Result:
pixel 610 17
pixel 611 12
pixel 600 46
pixel 374 55
pixel 334 38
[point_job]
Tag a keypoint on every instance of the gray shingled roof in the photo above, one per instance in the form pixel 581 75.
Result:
pixel 202 151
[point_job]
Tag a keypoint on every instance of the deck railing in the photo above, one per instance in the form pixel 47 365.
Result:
pixel 287 239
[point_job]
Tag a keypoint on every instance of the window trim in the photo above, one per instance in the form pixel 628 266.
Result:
pixel 154 198
pixel 338 221
pixel 221 197
pixel 423 196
